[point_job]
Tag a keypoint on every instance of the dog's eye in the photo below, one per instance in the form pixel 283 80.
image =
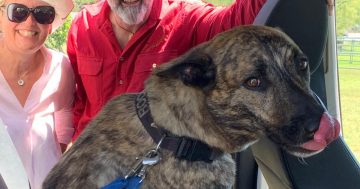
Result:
pixel 253 82
pixel 303 64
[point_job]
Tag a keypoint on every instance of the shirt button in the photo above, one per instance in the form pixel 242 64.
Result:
pixel 154 66
pixel 121 82
pixel 122 59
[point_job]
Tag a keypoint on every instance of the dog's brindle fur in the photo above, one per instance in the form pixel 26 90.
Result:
pixel 244 83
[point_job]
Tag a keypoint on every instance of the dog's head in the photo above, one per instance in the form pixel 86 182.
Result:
pixel 255 80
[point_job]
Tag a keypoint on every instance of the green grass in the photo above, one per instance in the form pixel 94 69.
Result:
pixel 349 78
pixel 349 81
pixel 348 65
pixel 347 58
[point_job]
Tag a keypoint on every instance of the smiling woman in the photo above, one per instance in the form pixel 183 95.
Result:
pixel 36 84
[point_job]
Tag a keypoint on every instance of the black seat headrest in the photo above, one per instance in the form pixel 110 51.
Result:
pixel 305 21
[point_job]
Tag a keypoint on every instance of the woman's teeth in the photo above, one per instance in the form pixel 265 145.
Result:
pixel 27 33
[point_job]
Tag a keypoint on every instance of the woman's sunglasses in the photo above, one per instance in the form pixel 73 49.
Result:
pixel 19 13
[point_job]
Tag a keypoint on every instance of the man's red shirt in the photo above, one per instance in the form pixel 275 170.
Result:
pixel 104 70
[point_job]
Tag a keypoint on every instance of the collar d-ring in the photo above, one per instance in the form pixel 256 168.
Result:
pixel 159 144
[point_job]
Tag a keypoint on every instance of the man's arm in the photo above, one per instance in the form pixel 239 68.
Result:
pixel 331 5
pixel 209 21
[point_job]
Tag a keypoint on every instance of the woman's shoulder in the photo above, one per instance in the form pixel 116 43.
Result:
pixel 54 52
pixel 56 56
pixel 58 64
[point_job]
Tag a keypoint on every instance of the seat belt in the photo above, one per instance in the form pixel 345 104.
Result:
pixel 2 183
pixel 11 168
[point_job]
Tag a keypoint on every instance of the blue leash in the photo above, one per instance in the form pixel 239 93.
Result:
pixel 133 182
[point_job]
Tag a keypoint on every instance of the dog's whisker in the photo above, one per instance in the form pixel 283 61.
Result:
pixel 302 161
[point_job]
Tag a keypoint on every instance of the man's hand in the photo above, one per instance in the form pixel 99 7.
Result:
pixel 330 5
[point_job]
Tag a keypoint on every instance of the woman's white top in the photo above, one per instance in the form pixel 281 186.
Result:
pixel 37 128
pixel 11 168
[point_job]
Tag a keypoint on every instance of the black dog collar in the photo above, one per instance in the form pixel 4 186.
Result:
pixel 184 148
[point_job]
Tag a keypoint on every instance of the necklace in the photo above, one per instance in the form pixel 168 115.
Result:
pixel 131 33
pixel 21 81
pixel 117 23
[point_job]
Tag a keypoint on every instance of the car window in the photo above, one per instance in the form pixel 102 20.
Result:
pixel 348 54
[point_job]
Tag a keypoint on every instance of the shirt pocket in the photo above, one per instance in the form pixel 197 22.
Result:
pixel 145 63
pixel 90 71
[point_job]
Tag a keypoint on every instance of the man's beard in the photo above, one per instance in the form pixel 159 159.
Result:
pixel 131 15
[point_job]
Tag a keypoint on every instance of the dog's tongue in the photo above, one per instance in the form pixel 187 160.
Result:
pixel 328 131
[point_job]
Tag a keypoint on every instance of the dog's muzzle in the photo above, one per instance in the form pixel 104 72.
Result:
pixel 328 131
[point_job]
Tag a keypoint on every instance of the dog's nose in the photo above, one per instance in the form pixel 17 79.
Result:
pixel 310 130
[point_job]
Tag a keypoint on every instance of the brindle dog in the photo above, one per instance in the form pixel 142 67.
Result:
pixel 244 83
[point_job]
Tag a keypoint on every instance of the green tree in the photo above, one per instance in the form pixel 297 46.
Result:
pixel 80 3
pixel 347 16
pixel 57 39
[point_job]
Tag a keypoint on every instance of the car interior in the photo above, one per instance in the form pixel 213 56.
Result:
pixel 308 23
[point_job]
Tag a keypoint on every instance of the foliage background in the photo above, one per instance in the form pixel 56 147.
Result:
pixel 347 16
pixel 57 40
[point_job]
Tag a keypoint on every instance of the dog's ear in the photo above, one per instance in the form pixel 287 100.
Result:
pixel 196 69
